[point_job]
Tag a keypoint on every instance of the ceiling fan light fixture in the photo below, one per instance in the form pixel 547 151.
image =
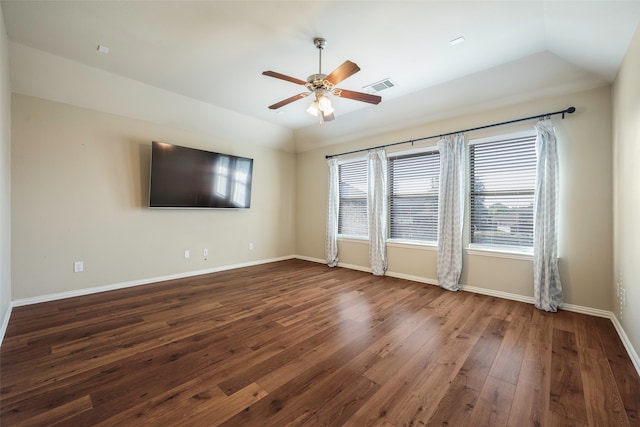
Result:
pixel 328 110
pixel 314 108
pixel 324 104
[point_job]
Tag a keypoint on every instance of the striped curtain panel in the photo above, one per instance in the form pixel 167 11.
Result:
pixel 546 277
pixel 331 241
pixel 451 211
pixel 377 211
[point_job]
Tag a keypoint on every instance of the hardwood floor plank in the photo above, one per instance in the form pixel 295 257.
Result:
pixel 401 352
pixel 493 405
pixel 623 373
pixel 414 391
pixel 603 403
pixel 322 354
pixel 58 414
pixel 207 408
pixel 190 397
pixel 476 367
pixel 531 398
pixel 341 407
pixel 332 377
pixel 457 404
pixel 508 361
pixel 567 395
pixel 295 343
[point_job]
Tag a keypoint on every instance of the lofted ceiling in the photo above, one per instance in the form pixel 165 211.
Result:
pixel 215 51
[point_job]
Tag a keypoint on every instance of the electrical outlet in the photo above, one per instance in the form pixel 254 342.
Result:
pixel 250 246
pixel 78 267
pixel 187 254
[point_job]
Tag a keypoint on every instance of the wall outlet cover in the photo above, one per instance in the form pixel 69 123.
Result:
pixel 78 266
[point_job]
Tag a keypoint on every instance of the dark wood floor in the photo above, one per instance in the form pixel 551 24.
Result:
pixel 298 343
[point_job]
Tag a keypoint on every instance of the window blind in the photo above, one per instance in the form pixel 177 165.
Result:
pixel 352 190
pixel 502 182
pixel 414 181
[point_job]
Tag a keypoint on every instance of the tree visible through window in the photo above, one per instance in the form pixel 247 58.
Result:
pixel 502 181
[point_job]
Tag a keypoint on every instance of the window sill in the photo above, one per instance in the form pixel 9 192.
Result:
pixel 500 253
pixel 395 243
pixel 412 244
pixel 353 239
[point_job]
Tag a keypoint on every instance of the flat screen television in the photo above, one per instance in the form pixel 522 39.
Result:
pixel 183 177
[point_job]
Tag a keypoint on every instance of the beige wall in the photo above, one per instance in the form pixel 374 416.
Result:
pixel 626 137
pixel 5 175
pixel 43 75
pixel 585 245
pixel 80 185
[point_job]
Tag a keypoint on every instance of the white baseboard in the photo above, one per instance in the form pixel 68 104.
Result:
pixel 105 288
pixel 627 344
pixel 312 259
pixel 5 323
pixel 498 294
pixel 368 270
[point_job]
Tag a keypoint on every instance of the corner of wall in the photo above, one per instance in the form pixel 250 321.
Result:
pixel 5 180
pixel 626 231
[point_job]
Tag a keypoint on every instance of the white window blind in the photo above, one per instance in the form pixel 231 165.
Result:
pixel 352 190
pixel 414 181
pixel 502 182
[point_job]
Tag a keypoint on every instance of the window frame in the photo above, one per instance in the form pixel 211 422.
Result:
pixel 506 251
pixel 344 236
pixel 396 241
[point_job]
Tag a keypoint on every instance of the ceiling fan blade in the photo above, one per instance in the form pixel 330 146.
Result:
pixel 357 96
pixel 283 77
pixel 288 100
pixel 347 69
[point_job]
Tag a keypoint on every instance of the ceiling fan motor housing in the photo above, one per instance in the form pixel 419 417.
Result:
pixel 320 42
pixel 317 82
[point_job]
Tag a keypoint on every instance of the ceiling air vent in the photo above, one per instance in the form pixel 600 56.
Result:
pixel 379 86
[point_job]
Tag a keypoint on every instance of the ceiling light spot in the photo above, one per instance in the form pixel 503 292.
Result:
pixel 103 49
pixel 456 41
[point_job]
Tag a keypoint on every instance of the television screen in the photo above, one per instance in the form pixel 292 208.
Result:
pixel 184 177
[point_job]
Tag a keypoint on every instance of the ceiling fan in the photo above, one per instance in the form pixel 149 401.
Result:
pixel 322 84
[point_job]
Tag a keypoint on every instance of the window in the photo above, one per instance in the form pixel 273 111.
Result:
pixel 352 190
pixel 502 181
pixel 414 181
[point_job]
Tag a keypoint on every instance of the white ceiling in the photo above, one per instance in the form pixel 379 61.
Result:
pixel 215 51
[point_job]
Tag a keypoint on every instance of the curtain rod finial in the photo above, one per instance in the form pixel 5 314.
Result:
pixel 569 110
